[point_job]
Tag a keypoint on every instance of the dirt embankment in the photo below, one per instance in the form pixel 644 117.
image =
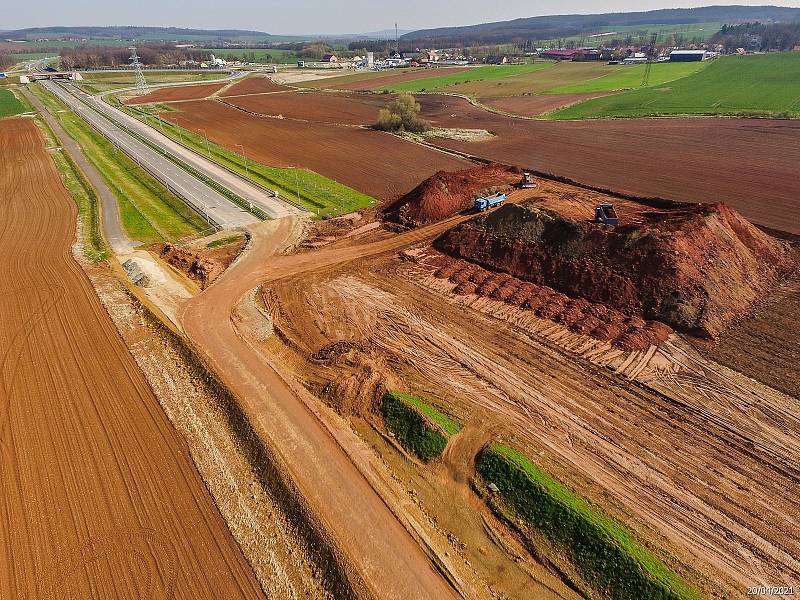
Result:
pixel 202 265
pixel 446 194
pixel 694 267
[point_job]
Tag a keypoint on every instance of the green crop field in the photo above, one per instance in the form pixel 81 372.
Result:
pixel 627 77
pixel 262 55
pixel 757 85
pixel 11 105
pixel 486 73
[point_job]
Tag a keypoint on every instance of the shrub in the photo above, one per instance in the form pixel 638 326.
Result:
pixel 420 428
pixel 401 115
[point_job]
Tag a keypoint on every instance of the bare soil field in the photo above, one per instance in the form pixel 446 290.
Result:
pixel 531 106
pixel 317 107
pixel 750 164
pixel 253 85
pixel 371 162
pixel 697 459
pixel 767 346
pixel 376 79
pixel 182 92
pixel 100 496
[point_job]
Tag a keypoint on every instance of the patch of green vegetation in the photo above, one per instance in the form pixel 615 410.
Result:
pixel 626 77
pixel 231 239
pixel 150 213
pixel 314 192
pixel 603 551
pixel 10 105
pixel 755 85
pixel 94 246
pixel 419 427
pixel 486 73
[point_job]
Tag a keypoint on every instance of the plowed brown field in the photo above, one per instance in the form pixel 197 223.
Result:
pixel 371 162
pixel 100 498
pixel 182 92
pixel 253 85
pixel 330 107
pixel 530 106
pixel 750 164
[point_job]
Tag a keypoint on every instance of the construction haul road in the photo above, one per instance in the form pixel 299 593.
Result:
pixel 385 557
pixel 100 498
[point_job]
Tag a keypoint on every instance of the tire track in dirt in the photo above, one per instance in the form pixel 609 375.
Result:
pixel 99 497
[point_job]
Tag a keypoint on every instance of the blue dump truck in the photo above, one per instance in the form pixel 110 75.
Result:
pixel 487 202
pixel 605 213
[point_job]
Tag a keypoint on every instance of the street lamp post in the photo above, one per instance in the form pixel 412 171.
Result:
pixel 205 137
pixel 247 172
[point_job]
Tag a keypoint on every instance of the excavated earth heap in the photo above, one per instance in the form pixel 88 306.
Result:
pixel 694 267
pixel 447 193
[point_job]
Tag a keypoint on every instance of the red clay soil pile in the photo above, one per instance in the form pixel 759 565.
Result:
pixel 576 314
pixel 202 266
pixel 694 267
pixel 447 193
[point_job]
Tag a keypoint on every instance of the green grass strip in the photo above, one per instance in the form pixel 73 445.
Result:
pixel 419 427
pixel 224 241
pixel 603 551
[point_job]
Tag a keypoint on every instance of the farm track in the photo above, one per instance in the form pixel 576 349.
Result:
pixel 388 562
pixel 100 496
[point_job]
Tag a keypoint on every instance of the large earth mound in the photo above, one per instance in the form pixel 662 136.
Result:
pixel 695 267
pixel 447 193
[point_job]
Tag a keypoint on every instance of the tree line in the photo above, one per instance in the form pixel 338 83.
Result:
pixel 759 36
pixel 92 57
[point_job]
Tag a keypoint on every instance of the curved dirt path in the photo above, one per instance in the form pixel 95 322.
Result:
pixel 99 496
pixel 385 557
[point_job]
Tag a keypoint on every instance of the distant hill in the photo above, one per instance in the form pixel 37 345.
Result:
pixel 556 26
pixel 139 33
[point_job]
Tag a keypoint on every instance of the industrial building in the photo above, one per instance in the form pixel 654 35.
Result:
pixel 687 55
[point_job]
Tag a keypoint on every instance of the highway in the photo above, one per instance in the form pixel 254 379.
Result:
pixel 274 207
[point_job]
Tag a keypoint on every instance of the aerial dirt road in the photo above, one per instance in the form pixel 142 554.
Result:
pixel 99 496
pixel 388 561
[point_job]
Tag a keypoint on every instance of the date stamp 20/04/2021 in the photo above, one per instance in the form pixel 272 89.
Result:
pixel 770 590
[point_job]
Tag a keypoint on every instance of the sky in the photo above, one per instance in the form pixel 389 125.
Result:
pixel 312 16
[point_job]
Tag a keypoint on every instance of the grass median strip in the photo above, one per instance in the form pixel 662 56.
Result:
pixel 603 552
pixel 150 213
pixel 419 427
pixel 315 193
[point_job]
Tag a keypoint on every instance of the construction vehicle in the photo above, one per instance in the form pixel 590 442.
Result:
pixel 486 202
pixel 605 214
pixel 527 181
